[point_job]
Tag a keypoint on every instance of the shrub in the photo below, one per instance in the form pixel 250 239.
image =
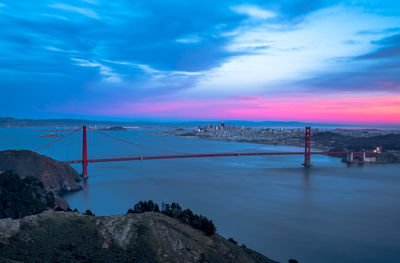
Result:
pixel 232 241
pixel 22 197
pixel 174 210
pixel 89 213
pixel 146 206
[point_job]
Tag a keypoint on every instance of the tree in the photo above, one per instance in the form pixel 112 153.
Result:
pixel 22 197
pixel 89 213
pixel 232 241
pixel 174 210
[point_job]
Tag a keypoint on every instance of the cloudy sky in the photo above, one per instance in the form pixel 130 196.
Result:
pixel 313 61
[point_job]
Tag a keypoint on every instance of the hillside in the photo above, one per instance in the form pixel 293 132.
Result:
pixel 56 176
pixel 334 140
pixel 147 237
pixel 53 174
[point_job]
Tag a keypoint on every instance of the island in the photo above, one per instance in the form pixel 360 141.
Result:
pixel 114 128
pixel 51 135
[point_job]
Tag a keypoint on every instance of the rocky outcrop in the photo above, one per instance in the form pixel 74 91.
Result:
pixel 148 237
pixel 55 175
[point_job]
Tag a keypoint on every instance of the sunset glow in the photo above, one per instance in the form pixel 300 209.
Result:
pixel 335 62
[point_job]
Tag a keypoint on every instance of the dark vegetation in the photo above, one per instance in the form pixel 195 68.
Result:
pixel 389 142
pixel 72 239
pixel 174 210
pixel 89 213
pixel 233 241
pixel 22 197
pixel 54 175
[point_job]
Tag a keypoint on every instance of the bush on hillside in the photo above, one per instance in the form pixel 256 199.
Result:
pixel 174 210
pixel 22 197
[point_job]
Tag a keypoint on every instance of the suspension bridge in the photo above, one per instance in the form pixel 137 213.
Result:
pixel 84 160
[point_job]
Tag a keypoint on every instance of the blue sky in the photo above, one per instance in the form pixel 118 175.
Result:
pixel 324 60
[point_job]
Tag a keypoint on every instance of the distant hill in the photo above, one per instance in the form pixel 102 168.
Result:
pixel 51 123
pixel 31 123
pixel 388 142
pixel 148 237
pixel 7 122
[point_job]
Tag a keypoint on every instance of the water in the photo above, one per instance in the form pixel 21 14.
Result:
pixel 329 213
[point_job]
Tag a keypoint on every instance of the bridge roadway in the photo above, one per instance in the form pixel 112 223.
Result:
pixel 141 158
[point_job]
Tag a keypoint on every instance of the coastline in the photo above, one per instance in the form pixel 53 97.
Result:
pixel 381 158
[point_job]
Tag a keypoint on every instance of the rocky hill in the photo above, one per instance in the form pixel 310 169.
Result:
pixel 53 174
pixel 147 237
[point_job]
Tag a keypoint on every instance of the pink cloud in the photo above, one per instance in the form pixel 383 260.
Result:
pixel 368 109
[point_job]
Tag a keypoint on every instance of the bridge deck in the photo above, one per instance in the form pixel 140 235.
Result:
pixel 141 158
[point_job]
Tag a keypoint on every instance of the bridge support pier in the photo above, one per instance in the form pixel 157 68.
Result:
pixel 307 148
pixel 84 154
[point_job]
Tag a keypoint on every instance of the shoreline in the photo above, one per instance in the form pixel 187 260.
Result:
pixel 382 158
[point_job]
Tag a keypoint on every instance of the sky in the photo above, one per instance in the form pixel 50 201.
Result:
pixel 309 61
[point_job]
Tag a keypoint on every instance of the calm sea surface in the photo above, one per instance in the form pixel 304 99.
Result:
pixel 329 213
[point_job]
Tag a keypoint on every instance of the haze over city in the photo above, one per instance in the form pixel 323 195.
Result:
pixel 309 61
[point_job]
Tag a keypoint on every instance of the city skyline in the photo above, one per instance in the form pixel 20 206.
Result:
pixel 326 62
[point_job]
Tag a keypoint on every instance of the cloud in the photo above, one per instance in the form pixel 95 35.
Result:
pixel 390 49
pixel 253 11
pixel 189 39
pixel 83 11
pixel 360 109
pixel 94 2
pixel 293 53
pixel 108 74
pixel 125 52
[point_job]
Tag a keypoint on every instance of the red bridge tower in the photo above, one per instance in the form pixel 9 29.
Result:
pixel 84 154
pixel 307 147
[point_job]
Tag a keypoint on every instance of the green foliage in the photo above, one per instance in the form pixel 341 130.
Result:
pixel 174 210
pixel 22 197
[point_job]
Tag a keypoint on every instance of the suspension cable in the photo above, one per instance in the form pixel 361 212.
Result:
pixel 59 139
pixel 136 144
